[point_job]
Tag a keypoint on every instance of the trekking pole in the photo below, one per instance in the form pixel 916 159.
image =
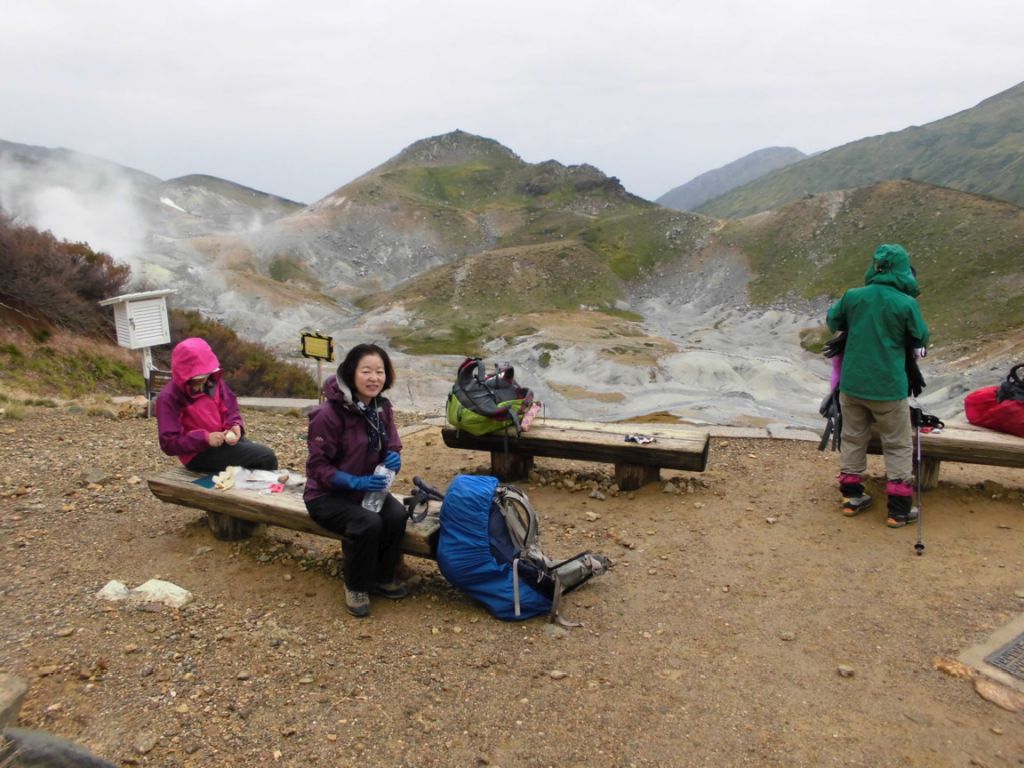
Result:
pixel 919 546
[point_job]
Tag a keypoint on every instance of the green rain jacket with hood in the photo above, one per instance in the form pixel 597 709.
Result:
pixel 881 320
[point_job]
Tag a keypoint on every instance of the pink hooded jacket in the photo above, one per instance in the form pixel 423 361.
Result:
pixel 186 418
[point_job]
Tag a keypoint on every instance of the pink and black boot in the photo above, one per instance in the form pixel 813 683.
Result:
pixel 855 500
pixel 901 511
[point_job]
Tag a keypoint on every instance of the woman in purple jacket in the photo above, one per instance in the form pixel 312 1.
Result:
pixel 349 435
pixel 197 415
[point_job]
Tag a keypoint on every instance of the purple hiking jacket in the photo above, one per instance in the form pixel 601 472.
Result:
pixel 184 418
pixel 338 440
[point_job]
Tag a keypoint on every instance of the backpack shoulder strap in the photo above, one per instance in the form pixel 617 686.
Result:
pixel 471 369
pixel 520 517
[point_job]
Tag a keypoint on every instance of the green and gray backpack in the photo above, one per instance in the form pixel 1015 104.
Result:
pixel 482 403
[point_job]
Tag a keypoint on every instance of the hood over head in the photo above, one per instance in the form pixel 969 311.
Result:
pixel 891 266
pixel 193 357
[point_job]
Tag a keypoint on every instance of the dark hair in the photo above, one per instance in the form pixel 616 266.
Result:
pixel 347 369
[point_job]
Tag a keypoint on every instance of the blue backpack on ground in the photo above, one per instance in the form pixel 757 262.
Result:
pixel 488 548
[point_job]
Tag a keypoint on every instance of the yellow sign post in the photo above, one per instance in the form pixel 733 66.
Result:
pixel 320 348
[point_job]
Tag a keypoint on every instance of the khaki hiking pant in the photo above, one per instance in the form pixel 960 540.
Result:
pixel 893 420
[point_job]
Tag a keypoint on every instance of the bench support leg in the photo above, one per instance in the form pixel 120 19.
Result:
pixel 510 466
pixel 929 470
pixel 227 528
pixel 629 477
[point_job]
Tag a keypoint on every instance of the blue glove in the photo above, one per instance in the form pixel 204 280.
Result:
pixel 345 481
pixel 393 461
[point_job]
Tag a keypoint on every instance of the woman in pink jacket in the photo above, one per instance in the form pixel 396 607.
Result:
pixel 198 418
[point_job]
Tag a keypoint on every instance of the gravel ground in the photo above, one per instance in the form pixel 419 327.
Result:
pixel 745 622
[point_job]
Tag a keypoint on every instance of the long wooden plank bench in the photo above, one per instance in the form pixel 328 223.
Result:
pixel 675 447
pixel 236 513
pixel 964 443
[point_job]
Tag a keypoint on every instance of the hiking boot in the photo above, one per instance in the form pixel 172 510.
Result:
pixel 854 505
pixel 901 509
pixel 898 521
pixel 392 590
pixel 358 603
pixel 851 485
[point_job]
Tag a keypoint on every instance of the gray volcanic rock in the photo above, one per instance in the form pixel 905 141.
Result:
pixel 28 748
pixel 196 205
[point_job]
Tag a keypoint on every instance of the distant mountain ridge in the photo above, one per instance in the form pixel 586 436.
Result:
pixel 458 220
pixel 699 190
pixel 978 150
pixel 457 246
pixel 30 156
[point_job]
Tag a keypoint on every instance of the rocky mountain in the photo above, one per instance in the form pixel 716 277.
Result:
pixel 439 202
pixel 610 306
pixel 978 150
pixel 699 190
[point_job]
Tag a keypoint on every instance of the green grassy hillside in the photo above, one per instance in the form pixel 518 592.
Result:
pixel 536 237
pixel 968 250
pixel 461 305
pixel 979 150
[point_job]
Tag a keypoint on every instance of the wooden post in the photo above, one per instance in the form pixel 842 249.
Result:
pixel 147 372
pixel 320 380
pixel 629 477
pixel 510 466
pixel 929 470
pixel 227 528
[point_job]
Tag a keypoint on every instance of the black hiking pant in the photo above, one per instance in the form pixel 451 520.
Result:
pixel 371 540
pixel 244 453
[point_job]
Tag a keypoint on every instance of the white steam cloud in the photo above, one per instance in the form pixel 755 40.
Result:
pixel 76 199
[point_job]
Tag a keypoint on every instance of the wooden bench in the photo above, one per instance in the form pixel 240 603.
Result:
pixel 965 443
pixel 236 513
pixel 675 447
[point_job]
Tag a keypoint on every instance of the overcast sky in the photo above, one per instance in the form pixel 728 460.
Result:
pixel 298 98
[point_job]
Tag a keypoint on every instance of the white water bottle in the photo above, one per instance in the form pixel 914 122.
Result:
pixel 374 500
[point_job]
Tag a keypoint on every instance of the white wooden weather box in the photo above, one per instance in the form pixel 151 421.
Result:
pixel 141 318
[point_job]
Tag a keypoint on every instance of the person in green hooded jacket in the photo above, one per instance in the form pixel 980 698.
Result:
pixel 881 320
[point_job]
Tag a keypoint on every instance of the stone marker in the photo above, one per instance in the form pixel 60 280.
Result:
pixel 39 748
pixel 12 693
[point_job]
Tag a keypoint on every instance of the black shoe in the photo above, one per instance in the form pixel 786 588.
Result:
pixel 392 590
